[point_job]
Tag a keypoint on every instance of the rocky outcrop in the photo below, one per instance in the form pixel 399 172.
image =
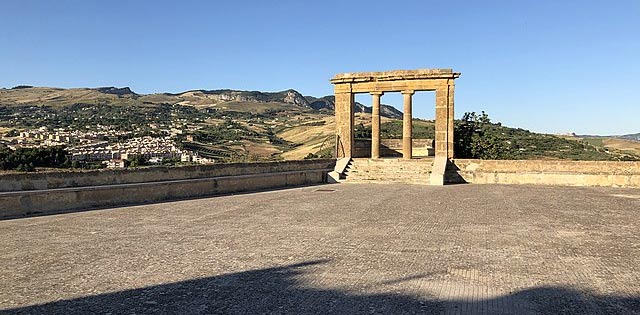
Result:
pixel 295 98
pixel 361 108
pixel 288 96
pixel 389 111
pixel 328 103
pixel 385 110
pixel 116 91
pixel 323 103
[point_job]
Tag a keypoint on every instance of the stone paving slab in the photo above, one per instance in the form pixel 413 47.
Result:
pixel 341 249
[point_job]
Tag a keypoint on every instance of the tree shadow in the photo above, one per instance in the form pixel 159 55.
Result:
pixel 282 290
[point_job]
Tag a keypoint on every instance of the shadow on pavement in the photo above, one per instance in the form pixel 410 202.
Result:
pixel 281 291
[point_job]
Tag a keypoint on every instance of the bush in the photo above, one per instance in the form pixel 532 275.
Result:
pixel 12 133
pixel 27 159
pixel 137 160
pixel 25 167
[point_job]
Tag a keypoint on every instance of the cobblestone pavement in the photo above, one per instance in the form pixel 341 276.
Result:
pixel 344 249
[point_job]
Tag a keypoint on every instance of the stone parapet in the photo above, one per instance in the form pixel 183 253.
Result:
pixel 21 203
pixel 65 179
pixel 547 172
pixel 548 166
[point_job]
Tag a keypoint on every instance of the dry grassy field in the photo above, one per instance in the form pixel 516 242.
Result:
pixel 613 144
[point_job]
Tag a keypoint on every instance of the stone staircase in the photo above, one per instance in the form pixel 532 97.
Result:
pixel 363 170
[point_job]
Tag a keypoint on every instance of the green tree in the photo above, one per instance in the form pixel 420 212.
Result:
pixel 138 160
pixel 12 133
pixel 362 132
pixel 476 137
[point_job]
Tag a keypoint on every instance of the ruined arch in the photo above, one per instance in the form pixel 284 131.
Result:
pixel 407 82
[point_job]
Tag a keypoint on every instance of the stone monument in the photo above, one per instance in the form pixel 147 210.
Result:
pixel 406 82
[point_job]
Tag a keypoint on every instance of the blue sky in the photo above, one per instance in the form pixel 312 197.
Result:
pixel 548 66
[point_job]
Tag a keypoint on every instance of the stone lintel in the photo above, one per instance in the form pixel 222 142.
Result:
pixel 395 75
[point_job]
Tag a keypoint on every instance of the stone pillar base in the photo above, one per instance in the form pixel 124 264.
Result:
pixel 437 171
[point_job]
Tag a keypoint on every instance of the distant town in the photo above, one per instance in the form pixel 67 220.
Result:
pixel 116 128
pixel 94 145
pixel 90 146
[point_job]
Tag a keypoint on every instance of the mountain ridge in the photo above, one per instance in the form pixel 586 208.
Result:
pixel 630 136
pixel 26 95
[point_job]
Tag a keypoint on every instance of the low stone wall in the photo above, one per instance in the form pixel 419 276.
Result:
pixel 362 148
pixel 393 148
pixel 63 179
pixel 238 177
pixel 566 173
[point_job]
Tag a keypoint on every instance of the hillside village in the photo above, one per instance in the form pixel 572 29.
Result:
pixel 105 126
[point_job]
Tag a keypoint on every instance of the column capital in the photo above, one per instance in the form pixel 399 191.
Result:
pixel 410 92
pixel 376 93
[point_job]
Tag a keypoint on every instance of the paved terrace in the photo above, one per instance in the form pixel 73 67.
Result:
pixel 348 248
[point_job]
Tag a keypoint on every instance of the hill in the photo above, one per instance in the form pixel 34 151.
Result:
pixel 219 97
pixel 328 103
pixel 234 125
pixel 613 143
pixel 633 137
pixel 58 97
pixel 630 137
pixel 225 99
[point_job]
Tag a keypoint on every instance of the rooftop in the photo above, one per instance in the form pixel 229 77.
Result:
pixel 344 248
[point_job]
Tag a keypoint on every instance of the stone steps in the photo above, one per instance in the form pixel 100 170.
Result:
pixel 399 173
pixel 389 170
pixel 388 173
pixel 387 181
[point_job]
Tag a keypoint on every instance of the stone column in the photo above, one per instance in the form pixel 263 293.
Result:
pixel 344 121
pixel 407 146
pixel 442 121
pixel 375 125
pixel 450 119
